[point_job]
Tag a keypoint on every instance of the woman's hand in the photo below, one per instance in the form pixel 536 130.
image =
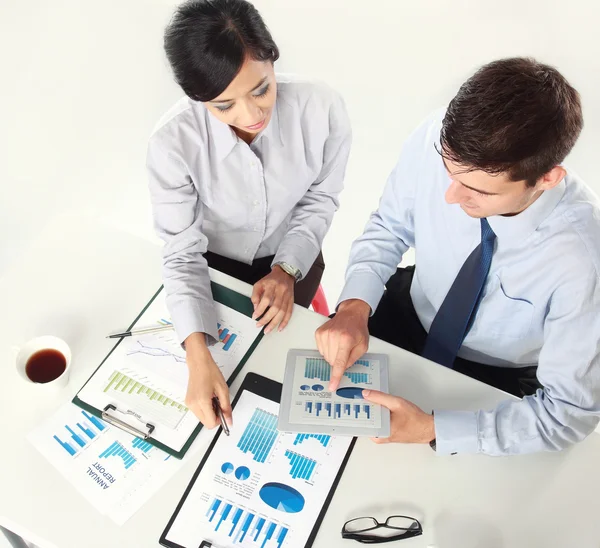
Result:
pixel 205 382
pixel 275 292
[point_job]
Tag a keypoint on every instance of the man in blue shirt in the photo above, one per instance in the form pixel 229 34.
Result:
pixel 505 287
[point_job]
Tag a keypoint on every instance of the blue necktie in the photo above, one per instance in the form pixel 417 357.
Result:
pixel 455 317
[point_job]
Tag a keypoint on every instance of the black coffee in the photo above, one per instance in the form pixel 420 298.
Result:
pixel 45 366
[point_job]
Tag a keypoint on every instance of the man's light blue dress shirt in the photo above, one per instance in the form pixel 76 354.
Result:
pixel 540 304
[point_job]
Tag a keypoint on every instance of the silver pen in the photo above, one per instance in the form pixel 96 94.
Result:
pixel 219 413
pixel 141 331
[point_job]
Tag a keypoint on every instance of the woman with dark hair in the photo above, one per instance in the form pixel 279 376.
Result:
pixel 245 174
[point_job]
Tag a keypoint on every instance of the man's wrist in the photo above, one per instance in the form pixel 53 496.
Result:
pixel 428 430
pixel 355 307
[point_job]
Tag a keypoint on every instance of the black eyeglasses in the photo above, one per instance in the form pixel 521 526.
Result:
pixel 370 531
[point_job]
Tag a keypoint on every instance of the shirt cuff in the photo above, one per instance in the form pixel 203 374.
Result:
pixel 365 286
pixel 297 252
pixel 456 432
pixel 189 317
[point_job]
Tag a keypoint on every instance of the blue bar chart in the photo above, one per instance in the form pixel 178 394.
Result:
pixel 358 378
pixel 323 439
pixel 318 368
pixel 226 337
pixel 260 435
pixel 242 525
pixel 80 434
pixel 301 466
pixel 117 450
pixel 337 410
pixel 142 445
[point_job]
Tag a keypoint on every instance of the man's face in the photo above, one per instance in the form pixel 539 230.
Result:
pixel 480 194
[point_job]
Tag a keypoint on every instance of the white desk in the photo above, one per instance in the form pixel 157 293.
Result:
pixel 80 285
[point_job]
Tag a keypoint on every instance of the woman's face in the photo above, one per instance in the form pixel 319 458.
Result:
pixel 247 103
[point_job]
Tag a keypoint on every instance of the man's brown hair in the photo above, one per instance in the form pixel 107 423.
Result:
pixel 513 116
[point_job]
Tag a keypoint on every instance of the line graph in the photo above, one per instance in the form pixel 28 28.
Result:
pixel 157 352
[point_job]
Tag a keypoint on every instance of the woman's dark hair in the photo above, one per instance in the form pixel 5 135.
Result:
pixel 207 42
pixel 513 116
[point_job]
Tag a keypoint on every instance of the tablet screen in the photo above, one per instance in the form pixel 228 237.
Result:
pixel 258 487
pixel 307 405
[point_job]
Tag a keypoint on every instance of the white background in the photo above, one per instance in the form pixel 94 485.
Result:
pixel 84 82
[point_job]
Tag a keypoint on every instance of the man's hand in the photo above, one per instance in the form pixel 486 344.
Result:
pixel 276 292
pixel 205 382
pixel 409 423
pixel 345 338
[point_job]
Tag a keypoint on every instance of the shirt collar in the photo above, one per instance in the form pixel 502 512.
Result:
pixel 225 138
pixel 273 131
pixel 511 230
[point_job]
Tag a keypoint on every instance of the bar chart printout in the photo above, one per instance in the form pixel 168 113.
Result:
pixel 259 487
pixel 142 445
pixel 245 526
pixel 323 439
pixel 113 470
pixel 301 467
pixel 145 399
pixel 226 337
pixel 79 434
pixel 260 435
pixel 117 450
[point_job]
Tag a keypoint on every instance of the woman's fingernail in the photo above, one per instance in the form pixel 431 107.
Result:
pixel 366 393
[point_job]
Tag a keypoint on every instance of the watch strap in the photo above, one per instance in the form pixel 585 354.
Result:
pixel 289 269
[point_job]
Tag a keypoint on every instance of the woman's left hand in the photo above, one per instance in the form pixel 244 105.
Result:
pixel 275 292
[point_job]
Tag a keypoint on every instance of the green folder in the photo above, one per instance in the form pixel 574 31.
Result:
pixel 221 294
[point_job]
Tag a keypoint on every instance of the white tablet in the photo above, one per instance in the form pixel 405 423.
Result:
pixel 308 406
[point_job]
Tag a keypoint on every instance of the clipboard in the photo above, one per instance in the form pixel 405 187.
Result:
pixel 269 390
pixel 144 429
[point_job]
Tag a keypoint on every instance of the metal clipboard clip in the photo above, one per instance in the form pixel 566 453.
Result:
pixel 123 425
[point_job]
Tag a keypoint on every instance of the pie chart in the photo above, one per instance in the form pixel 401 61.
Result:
pixel 350 392
pixel 242 473
pixel 282 497
pixel 227 468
